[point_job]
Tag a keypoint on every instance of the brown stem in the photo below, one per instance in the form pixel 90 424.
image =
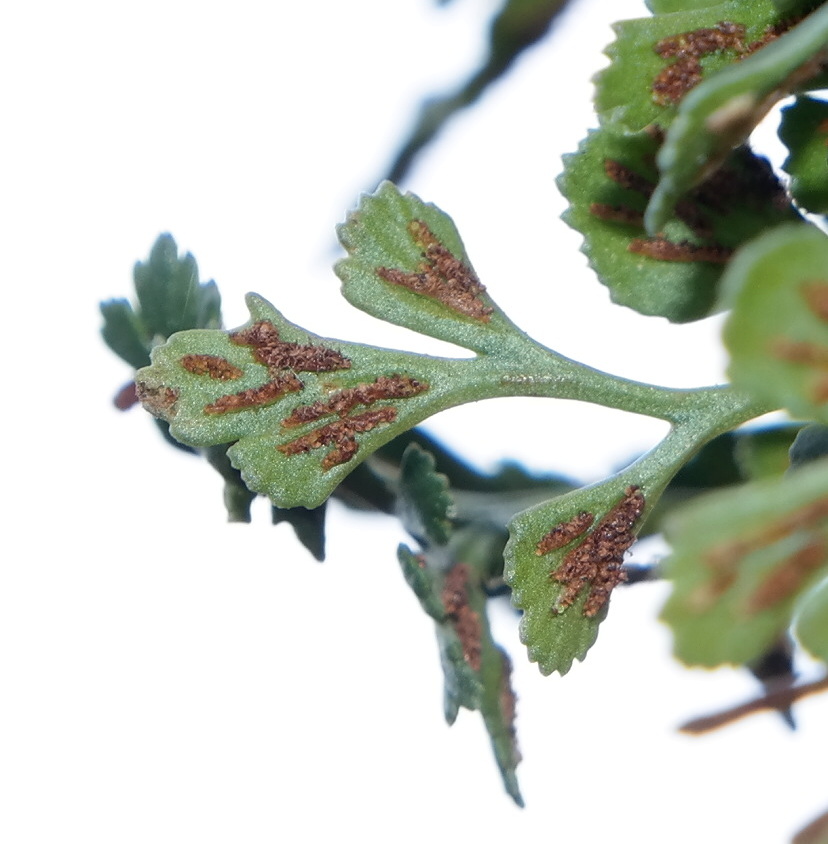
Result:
pixel 781 699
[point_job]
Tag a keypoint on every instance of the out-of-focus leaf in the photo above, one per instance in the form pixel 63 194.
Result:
pixel 426 507
pixel 237 497
pixel 170 294
pixel 656 61
pixel 812 622
pixel 124 333
pixel 777 333
pixel 811 444
pixel 425 586
pixel 741 559
pixel 517 26
pixel 764 453
pixel 608 183
pixel 804 131
pixel 815 833
pixel 476 671
pixel 308 525
pixel 723 110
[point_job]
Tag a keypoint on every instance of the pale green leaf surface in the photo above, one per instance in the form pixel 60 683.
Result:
pixel 721 112
pixel 777 333
pixel 804 131
pixel 265 448
pixel 741 558
pixel 396 235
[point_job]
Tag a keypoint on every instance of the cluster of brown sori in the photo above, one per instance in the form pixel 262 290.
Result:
pixel 688 48
pixel 596 562
pixel 440 276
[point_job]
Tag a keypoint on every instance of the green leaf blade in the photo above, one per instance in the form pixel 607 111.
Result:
pixel 407 265
pixel 655 61
pixel 301 410
pixel 562 561
pixel 169 292
pixel 426 503
pixel 608 183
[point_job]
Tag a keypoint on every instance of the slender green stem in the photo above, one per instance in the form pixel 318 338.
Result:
pixel 533 370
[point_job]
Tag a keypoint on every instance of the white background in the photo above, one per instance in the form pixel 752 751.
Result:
pixel 166 677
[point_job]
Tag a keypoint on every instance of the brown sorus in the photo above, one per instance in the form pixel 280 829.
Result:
pixel 441 276
pixel 212 365
pixel 275 353
pixel 564 533
pixel 268 393
pixel 627 178
pixel 344 401
pixel 341 434
pixel 725 35
pixel 674 81
pixel 616 214
pixel 158 400
pixel 464 619
pixel 596 563
pixel 662 249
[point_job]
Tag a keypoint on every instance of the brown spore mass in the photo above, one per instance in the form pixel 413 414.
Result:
pixel 441 276
pixel 212 365
pixel 662 249
pixel 158 400
pixel 596 563
pixel 275 353
pixel 340 433
pixel 674 81
pixel 725 35
pixel 627 178
pixel 616 214
pixel 268 393
pixel 344 401
pixel 464 619
pixel 564 533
